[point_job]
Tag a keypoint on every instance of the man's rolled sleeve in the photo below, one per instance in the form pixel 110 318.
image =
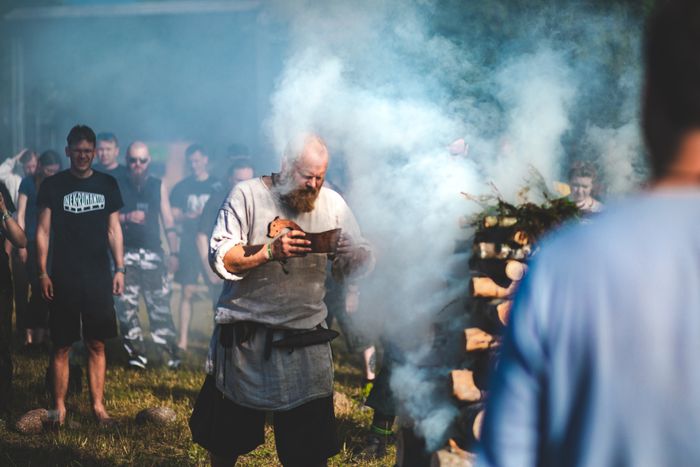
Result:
pixel 230 229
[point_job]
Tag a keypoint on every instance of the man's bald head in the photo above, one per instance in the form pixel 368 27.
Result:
pixel 307 149
pixel 138 158
pixel 137 149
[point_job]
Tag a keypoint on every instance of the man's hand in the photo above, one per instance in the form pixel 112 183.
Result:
pixel 17 156
pixel 290 245
pixel 136 217
pixel 46 288
pixel 349 259
pixel 118 283
pixel 22 255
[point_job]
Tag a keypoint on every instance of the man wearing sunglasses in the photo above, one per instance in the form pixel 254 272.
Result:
pixel 145 203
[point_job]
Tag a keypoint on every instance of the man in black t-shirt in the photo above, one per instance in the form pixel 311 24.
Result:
pixel 187 200
pixel 79 213
pixel 107 150
pixel 145 202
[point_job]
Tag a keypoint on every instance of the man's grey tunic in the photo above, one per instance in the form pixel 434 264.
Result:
pixel 268 295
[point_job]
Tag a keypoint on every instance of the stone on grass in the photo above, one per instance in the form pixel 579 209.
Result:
pixel 32 422
pixel 156 415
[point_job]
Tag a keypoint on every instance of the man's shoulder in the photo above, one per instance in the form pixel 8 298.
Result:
pixel 330 193
pixel 56 178
pixel 105 178
pixel 183 184
pixel 254 183
pixel 27 181
pixel 214 184
pixel 623 229
pixel 332 197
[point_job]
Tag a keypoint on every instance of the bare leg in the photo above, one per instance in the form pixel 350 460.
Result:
pixel 185 314
pixel 59 368
pixel 369 355
pixel 97 365
pixel 217 461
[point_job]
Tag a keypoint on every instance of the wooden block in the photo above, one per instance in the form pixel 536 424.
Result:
pixel 479 340
pixel 515 270
pixel 463 386
pixel 521 237
pixel 486 287
pixel 504 311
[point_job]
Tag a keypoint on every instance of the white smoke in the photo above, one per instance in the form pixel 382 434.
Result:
pixel 389 95
pixel 620 155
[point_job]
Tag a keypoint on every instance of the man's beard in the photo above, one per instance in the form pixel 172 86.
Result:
pixel 301 199
pixel 139 180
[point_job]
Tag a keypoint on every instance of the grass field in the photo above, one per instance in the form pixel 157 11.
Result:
pixel 128 392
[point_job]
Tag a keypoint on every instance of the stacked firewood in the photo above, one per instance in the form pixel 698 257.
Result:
pixel 503 242
pixel 498 263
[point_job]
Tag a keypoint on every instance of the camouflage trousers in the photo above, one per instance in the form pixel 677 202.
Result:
pixel 146 274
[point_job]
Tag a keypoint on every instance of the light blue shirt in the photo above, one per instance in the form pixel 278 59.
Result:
pixel 601 362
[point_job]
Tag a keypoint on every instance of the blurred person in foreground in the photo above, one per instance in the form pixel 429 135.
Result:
pixel 22 164
pixel 37 314
pixel 583 178
pixel 146 204
pixel 273 293
pixel 599 366
pixel 79 217
pixel 240 170
pixel 9 231
pixel 188 198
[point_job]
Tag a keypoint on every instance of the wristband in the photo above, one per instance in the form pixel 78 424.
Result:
pixel 43 275
pixel 174 253
pixel 121 269
pixel 269 251
pixel 5 216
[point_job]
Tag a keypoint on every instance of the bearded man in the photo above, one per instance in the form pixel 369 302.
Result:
pixel 145 203
pixel 273 292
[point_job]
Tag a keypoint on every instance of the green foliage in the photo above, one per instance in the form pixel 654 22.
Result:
pixel 533 219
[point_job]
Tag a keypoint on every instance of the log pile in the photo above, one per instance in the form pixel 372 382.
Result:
pixel 503 243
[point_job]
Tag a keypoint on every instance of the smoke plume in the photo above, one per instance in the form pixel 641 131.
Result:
pixel 390 84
